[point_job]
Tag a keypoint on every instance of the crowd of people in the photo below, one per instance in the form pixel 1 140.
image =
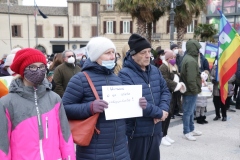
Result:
pixel 47 92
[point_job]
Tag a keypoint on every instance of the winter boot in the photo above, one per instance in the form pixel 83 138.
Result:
pixel 200 120
pixel 204 119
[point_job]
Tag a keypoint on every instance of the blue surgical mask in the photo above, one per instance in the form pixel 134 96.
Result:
pixel 109 64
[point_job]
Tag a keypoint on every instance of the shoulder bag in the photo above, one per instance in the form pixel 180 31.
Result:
pixel 83 130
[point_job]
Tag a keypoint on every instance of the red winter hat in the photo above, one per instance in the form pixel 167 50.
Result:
pixel 24 58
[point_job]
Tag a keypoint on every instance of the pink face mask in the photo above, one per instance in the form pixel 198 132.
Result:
pixel 172 61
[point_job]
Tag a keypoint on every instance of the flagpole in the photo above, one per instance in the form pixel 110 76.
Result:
pixel 35 6
pixel 10 33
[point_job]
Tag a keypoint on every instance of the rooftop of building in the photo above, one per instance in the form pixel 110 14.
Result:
pixel 29 10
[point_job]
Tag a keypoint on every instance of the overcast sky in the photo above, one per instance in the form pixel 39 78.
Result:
pixel 62 3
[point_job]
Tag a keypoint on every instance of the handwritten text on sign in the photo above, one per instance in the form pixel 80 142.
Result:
pixel 123 101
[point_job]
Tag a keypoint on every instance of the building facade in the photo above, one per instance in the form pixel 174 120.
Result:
pixel 230 8
pixel 71 27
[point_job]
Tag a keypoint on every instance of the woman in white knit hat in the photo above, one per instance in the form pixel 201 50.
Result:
pixel 80 103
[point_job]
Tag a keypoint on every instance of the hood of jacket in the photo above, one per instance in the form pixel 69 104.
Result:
pixel 192 48
pixel 18 87
pixel 95 67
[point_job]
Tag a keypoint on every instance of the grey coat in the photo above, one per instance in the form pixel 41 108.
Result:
pixel 215 84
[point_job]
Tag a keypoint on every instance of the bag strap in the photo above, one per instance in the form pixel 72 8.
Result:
pixel 91 85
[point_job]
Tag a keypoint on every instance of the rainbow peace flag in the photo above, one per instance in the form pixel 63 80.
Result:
pixel 228 54
pixel 211 51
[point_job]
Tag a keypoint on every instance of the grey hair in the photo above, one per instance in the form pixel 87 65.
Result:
pixel 4 55
pixel 64 53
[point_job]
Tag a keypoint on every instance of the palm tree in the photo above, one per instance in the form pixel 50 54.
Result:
pixel 205 32
pixel 145 11
pixel 184 15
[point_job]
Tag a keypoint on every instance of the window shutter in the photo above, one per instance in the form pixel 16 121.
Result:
pixel 131 27
pixel 114 27
pixel 94 9
pixel 41 31
pixel 94 31
pixel 121 26
pixel 195 23
pixel 13 32
pixel 56 31
pixel 19 31
pixel 168 25
pixel 104 27
pixel 76 9
pixel 154 27
pixel 62 32
pixel 79 31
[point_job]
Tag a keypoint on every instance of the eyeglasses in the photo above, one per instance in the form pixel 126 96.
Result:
pixel 35 68
pixel 70 56
pixel 118 56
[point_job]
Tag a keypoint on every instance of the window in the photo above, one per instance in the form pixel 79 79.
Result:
pixel 238 6
pixel 213 5
pixel 229 6
pixel 94 31
pixel 94 9
pixel 76 9
pixel 126 27
pixel 76 31
pixel 190 28
pixel 16 31
pixel 58 31
pixel 39 31
pixel 109 27
pixel 109 5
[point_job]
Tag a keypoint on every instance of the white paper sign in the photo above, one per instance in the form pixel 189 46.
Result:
pixel 206 92
pixel 123 101
pixel 6 80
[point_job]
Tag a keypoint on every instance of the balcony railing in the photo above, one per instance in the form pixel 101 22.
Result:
pixel 108 7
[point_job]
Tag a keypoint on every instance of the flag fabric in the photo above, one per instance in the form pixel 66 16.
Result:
pixel 36 10
pixel 42 14
pixel 210 53
pixel 228 54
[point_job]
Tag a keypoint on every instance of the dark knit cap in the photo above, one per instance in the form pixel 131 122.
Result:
pixel 160 52
pixel 137 44
pixel 173 46
pixel 24 58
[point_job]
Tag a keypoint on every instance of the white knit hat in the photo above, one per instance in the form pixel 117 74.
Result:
pixel 9 60
pixel 15 50
pixel 97 46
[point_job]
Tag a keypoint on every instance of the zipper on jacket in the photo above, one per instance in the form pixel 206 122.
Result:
pixel 39 123
pixel 114 139
pixel 154 104
pixel 46 127
pixel 131 137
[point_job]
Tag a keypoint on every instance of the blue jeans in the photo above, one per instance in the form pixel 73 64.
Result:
pixel 188 105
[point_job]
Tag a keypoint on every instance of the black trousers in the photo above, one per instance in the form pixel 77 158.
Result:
pixel 235 90
pixel 165 124
pixel 218 104
pixel 145 148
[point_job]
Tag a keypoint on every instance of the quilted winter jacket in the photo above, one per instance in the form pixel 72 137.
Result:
pixel 156 92
pixel 33 124
pixel 111 143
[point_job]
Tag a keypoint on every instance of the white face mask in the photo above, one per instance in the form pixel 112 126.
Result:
pixel 162 58
pixel 10 71
pixel 71 60
pixel 175 51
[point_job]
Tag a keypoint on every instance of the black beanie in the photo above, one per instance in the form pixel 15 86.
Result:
pixel 137 44
pixel 173 46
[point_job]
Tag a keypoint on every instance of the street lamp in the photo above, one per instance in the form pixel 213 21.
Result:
pixel 173 4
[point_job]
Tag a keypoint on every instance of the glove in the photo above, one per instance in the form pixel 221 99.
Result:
pixel 143 102
pixel 214 81
pixel 98 106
